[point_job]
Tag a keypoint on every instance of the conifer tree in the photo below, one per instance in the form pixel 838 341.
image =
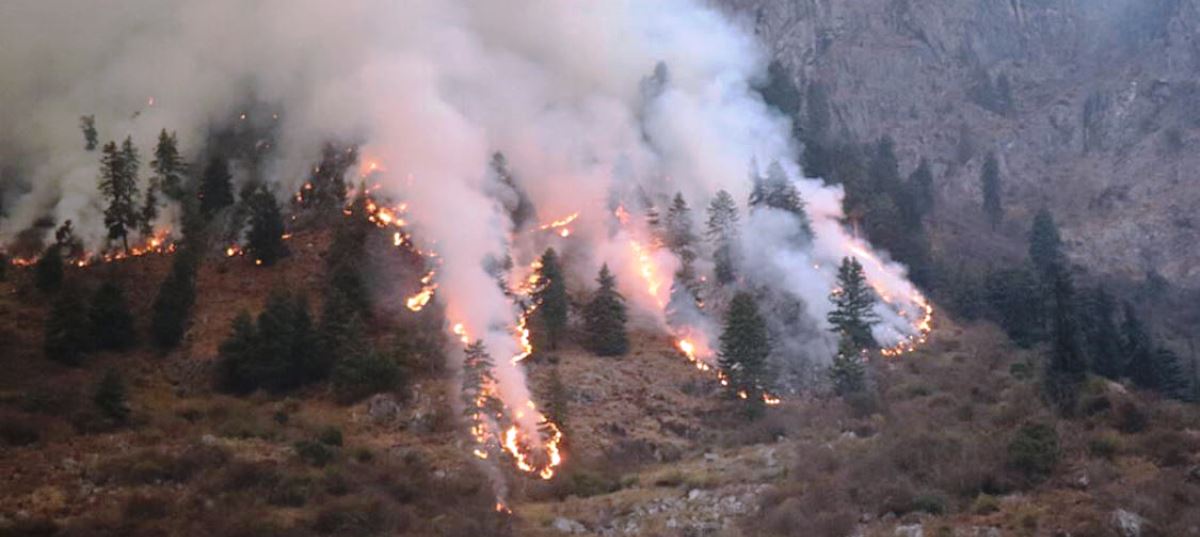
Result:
pixel 604 318
pixel 1068 366
pixel 326 189
pixel 1101 334
pixel 1018 302
pixel 557 401
pixel 1137 349
pixel 118 184
pixel 66 334
pixel 110 397
pixel 1045 246
pixel 776 191
pixel 745 346
pixel 173 304
pixel 288 344
pixel 111 320
pixel 235 367
pixel 90 137
pixel 216 187
pixel 1171 377
pixel 992 202
pixel 69 246
pixel 853 300
pixel 551 298
pixel 520 208
pixel 48 272
pixel 848 371
pixel 477 377
pixel 265 238
pixel 149 212
pixel 361 370
pixel 169 167
pixel 921 185
pixel 722 232
pixel 884 169
pixel 680 236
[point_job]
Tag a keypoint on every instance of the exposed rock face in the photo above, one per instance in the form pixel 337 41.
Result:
pixel 1093 108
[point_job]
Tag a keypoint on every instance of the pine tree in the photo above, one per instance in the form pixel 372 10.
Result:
pixel 557 401
pixel 921 185
pixel 744 348
pixel 680 234
pixel 110 397
pixel 1138 350
pixel 216 187
pixel 1018 302
pixel 118 183
pixel 476 379
pixel 853 300
pixel 722 232
pixel 848 371
pixel 169 167
pixel 66 334
pixel 604 318
pixel 326 189
pixel 237 355
pixel 992 203
pixel 1102 335
pixel 265 238
pixel 175 299
pixel 111 320
pixel 884 169
pixel 1068 366
pixel 69 246
pixel 1171 377
pixel 90 137
pixel 288 344
pixel 551 298
pixel 361 370
pixel 1045 246
pixel 520 208
pixel 776 191
pixel 48 272
pixel 149 211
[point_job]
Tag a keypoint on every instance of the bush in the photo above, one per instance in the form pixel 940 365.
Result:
pixel 314 453
pixel 110 397
pixel 351 517
pixel 1034 451
pixel 934 504
pixel 1103 447
pixel 141 507
pixel 364 373
pixel 1129 418
pixel 330 436
pixel 291 491
pixel 17 430
pixel 985 504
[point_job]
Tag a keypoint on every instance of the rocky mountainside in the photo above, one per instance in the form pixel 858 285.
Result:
pixel 1091 106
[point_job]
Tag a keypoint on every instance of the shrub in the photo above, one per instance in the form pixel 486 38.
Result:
pixel 985 504
pixel 364 373
pixel 314 453
pixel 1129 418
pixel 110 397
pixel 291 491
pixel 330 436
pixel 1034 451
pixel 17 430
pixel 1103 447
pixel 351 517
pixel 141 507
pixel 934 504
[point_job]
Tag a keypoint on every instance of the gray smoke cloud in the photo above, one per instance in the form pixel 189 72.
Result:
pixel 566 90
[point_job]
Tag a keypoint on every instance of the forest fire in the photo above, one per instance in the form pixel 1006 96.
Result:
pixel 418 301
pixel 921 326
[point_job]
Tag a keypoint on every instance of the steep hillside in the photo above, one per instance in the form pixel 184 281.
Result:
pixel 653 448
pixel 1092 108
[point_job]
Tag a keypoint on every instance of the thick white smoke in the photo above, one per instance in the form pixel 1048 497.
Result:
pixel 433 87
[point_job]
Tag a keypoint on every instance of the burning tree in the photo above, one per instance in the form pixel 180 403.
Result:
pixel 326 189
pixel 216 188
pixel 745 346
pixel 551 297
pixel 604 318
pixel 118 183
pixel 722 233
pixel 681 240
pixel 169 167
pixel 266 228
pixel 853 304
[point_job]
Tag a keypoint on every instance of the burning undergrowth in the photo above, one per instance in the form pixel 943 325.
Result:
pixel 498 130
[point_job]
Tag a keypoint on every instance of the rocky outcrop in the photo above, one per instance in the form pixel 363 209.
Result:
pixel 1092 107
